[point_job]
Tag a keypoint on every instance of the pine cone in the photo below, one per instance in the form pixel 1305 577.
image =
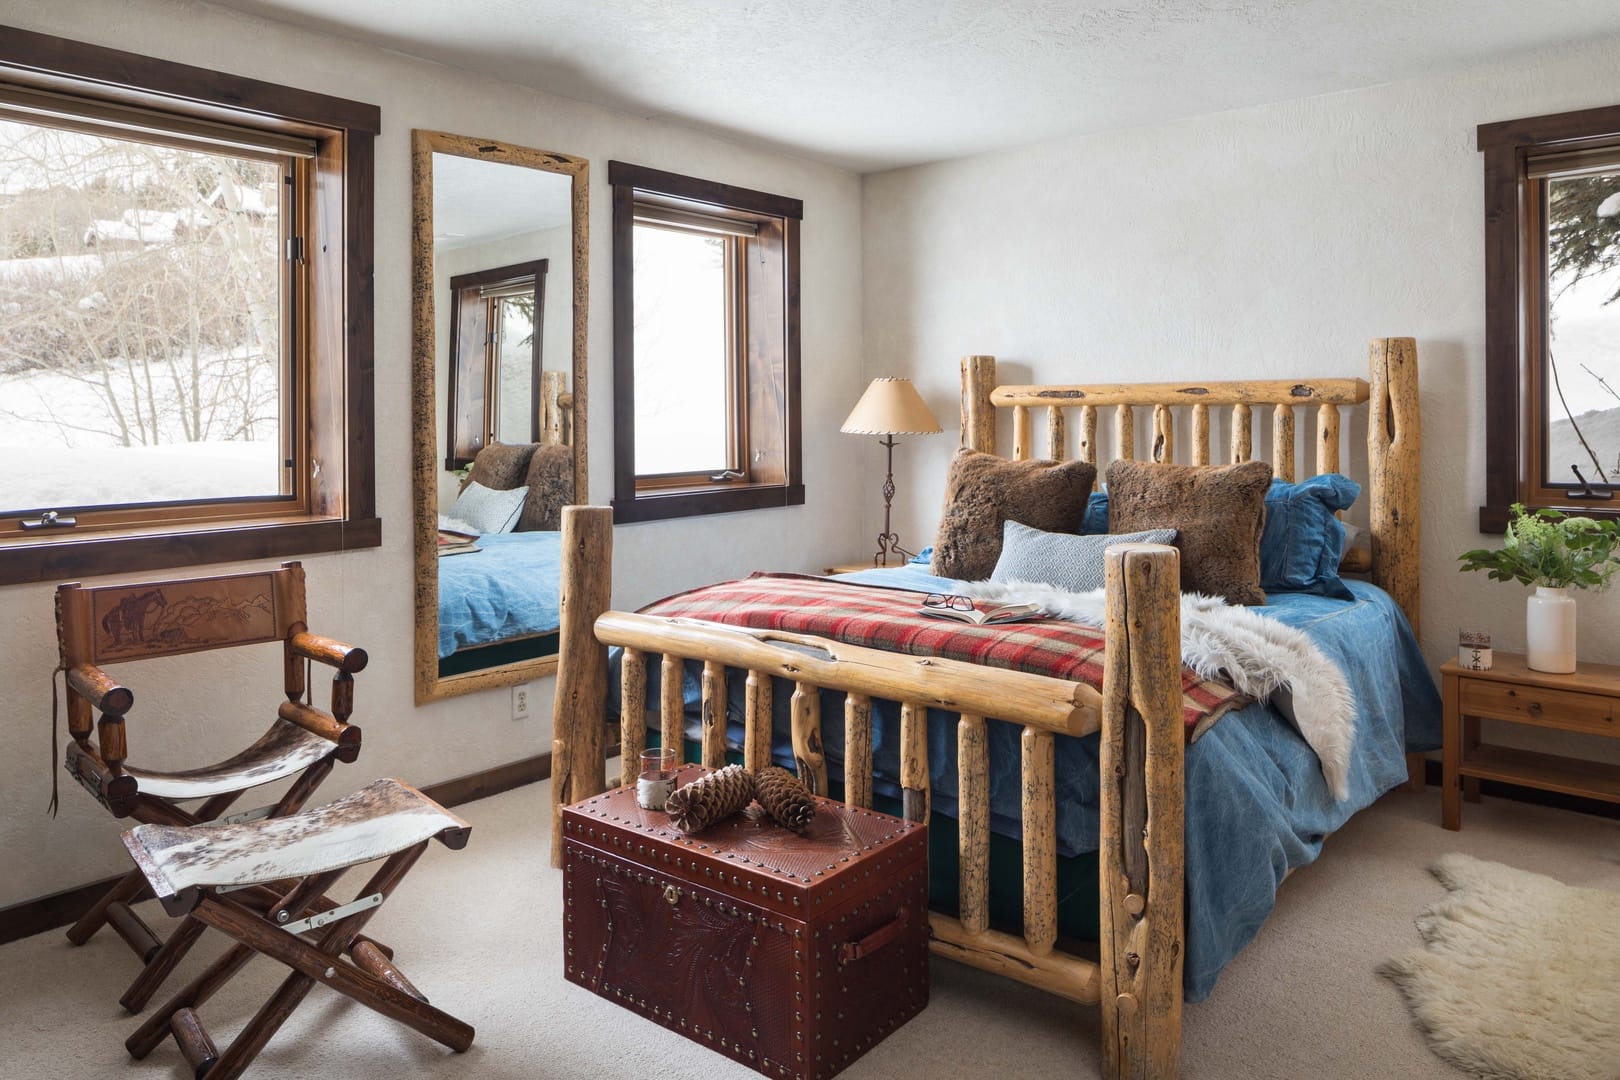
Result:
pixel 785 798
pixel 710 798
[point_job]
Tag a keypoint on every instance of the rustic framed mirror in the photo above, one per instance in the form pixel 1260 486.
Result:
pixel 499 261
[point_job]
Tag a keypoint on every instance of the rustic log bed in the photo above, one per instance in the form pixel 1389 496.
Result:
pixel 1138 982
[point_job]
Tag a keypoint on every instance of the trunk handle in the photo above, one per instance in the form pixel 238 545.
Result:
pixel 851 951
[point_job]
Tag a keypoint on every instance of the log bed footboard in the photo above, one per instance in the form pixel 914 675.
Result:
pixel 1137 984
pixel 1138 711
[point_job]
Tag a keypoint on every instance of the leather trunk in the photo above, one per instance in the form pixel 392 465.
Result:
pixel 791 954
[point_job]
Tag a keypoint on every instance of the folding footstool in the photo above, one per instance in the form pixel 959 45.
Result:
pixel 264 883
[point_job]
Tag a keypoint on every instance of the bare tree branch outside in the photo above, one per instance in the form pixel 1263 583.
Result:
pixel 140 321
pixel 1583 337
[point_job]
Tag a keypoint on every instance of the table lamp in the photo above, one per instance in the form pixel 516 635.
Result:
pixel 890 407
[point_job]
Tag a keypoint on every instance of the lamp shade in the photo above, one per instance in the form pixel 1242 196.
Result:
pixel 891 407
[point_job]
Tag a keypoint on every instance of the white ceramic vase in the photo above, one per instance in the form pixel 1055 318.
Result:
pixel 1549 630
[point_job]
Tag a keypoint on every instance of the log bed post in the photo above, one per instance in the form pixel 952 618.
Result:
pixel 554 406
pixel 1141 870
pixel 1394 453
pixel 579 711
pixel 978 414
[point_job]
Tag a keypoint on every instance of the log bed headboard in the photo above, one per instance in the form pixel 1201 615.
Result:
pixel 1394 435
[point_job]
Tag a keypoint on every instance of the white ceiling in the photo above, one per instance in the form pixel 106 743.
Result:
pixel 874 84
pixel 476 201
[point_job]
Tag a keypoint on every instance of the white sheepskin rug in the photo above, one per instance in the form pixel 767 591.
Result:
pixel 1258 655
pixel 1519 977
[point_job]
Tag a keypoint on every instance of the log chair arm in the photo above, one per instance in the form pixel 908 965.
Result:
pixel 100 689
pixel 322 723
pixel 348 659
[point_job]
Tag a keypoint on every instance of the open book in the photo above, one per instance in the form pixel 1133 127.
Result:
pixel 1001 613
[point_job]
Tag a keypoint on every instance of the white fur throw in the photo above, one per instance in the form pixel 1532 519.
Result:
pixel 1519 974
pixel 1258 655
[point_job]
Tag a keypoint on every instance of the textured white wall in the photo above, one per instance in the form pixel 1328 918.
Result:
pixel 1267 242
pixel 189 706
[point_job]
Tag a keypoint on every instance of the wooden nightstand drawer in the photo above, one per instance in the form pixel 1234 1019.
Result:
pixel 1539 705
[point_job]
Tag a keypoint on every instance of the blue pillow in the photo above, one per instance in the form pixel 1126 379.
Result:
pixel 1096 517
pixel 1303 541
pixel 1072 563
pixel 489 510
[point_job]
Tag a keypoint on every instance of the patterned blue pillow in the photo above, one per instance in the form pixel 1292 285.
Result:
pixel 1065 560
pixel 1303 541
pixel 490 510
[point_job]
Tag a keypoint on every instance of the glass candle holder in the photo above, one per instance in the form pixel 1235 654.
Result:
pixel 657 777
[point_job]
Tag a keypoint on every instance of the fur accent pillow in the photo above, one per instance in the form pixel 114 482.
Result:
pixel 551 487
pixel 501 466
pixel 1218 512
pixel 983 492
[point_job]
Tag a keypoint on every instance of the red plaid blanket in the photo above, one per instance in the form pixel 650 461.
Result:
pixel 889 619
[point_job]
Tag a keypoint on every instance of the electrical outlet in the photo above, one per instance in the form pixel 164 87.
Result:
pixel 521 696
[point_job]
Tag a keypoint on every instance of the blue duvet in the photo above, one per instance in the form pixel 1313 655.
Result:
pixel 507 589
pixel 1257 805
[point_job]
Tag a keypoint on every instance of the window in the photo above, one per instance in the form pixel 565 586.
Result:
pixel 1552 226
pixel 706 349
pixel 185 347
pixel 496 322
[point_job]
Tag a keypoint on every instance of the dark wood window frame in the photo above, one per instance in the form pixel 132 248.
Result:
pixel 531 273
pixel 338 251
pixel 1514 329
pixel 770 346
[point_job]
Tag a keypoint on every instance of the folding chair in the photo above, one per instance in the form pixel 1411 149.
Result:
pixel 117 623
pixel 288 864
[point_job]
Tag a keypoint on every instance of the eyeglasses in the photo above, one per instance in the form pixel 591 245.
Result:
pixel 958 603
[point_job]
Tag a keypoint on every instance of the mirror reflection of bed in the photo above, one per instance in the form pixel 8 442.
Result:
pixel 503 242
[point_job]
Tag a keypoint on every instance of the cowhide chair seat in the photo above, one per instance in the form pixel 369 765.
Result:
pixel 265 884
pixel 279 753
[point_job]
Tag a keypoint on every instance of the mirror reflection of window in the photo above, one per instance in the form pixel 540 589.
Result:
pixel 516 406
pixel 496 358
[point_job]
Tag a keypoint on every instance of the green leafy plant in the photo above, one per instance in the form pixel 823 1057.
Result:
pixel 1551 549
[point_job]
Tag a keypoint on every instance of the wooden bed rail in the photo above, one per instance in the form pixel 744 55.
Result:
pixel 1138 986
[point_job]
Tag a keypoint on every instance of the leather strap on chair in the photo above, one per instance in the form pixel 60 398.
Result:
pixel 56 706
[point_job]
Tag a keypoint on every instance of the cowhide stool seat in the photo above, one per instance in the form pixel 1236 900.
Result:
pixel 264 883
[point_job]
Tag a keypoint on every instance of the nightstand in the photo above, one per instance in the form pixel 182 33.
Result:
pixel 1587 701
pixel 851 568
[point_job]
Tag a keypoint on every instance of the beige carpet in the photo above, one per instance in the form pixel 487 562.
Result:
pixel 479 931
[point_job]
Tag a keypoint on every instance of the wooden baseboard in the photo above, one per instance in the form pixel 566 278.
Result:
pixel 64 908
pixel 1555 799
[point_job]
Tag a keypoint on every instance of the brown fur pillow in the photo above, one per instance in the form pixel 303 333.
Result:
pixel 1218 512
pixel 501 466
pixel 551 487
pixel 983 492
